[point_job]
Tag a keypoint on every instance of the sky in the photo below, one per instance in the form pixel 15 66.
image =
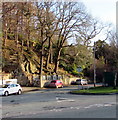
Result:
pixel 105 10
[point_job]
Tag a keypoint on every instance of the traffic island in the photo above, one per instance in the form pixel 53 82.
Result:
pixel 96 91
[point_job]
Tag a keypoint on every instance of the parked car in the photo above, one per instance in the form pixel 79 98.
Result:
pixel 81 82
pixel 8 89
pixel 46 85
pixel 73 83
pixel 56 83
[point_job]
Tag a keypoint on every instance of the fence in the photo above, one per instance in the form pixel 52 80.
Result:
pixel 47 78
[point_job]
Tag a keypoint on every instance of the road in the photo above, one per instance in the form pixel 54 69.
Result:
pixel 58 103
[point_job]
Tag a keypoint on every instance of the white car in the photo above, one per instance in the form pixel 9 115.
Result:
pixel 10 89
pixel 81 82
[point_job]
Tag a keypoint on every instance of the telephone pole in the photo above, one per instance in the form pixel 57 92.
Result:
pixel 94 65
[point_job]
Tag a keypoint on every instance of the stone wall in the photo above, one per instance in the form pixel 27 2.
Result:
pixel 33 79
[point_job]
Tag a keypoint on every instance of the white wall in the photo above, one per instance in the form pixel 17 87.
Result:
pixel 14 81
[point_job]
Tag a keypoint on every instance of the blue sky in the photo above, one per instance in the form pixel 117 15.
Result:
pixel 105 10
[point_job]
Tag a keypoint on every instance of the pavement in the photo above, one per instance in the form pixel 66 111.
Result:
pixel 28 89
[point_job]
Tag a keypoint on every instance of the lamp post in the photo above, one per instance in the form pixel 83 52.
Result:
pixel 94 66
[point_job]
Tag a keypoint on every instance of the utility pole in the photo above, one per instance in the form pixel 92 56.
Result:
pixel 94 66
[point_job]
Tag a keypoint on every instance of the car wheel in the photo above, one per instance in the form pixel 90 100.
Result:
pixel 6 93
pixel 19 92
pixel 57 86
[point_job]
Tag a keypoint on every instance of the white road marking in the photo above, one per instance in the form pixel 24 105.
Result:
pixel 77 108
pixel 64 100
pixel 89 106
pixel 107 105
pixel 100 105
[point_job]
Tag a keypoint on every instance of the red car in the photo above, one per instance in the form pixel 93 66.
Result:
pixel 56 83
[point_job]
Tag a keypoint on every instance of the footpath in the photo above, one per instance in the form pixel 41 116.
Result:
pixel 28 89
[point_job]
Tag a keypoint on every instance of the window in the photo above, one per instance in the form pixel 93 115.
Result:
pixel 12 85
pixel 78 80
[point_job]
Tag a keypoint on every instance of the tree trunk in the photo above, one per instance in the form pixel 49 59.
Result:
pixel 51 55
pixel 48 54
pixel 57 60
pixel 41 60
pixel 41 68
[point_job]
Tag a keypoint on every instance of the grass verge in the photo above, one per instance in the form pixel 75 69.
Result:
pixel 97 90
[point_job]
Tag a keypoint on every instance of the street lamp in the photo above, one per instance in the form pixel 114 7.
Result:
pixel 94 66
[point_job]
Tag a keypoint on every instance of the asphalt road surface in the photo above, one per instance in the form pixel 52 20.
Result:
pixel 58 103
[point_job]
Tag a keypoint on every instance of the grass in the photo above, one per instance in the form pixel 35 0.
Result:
pixel 97 90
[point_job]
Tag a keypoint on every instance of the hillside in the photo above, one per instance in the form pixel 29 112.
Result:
pixel 26 68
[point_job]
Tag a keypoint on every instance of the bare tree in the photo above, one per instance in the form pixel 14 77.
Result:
pixel 68 15
pixel 50 30
pixel 43 27
pixel 89 30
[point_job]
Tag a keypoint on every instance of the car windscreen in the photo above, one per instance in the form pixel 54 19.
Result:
pixel 84 80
